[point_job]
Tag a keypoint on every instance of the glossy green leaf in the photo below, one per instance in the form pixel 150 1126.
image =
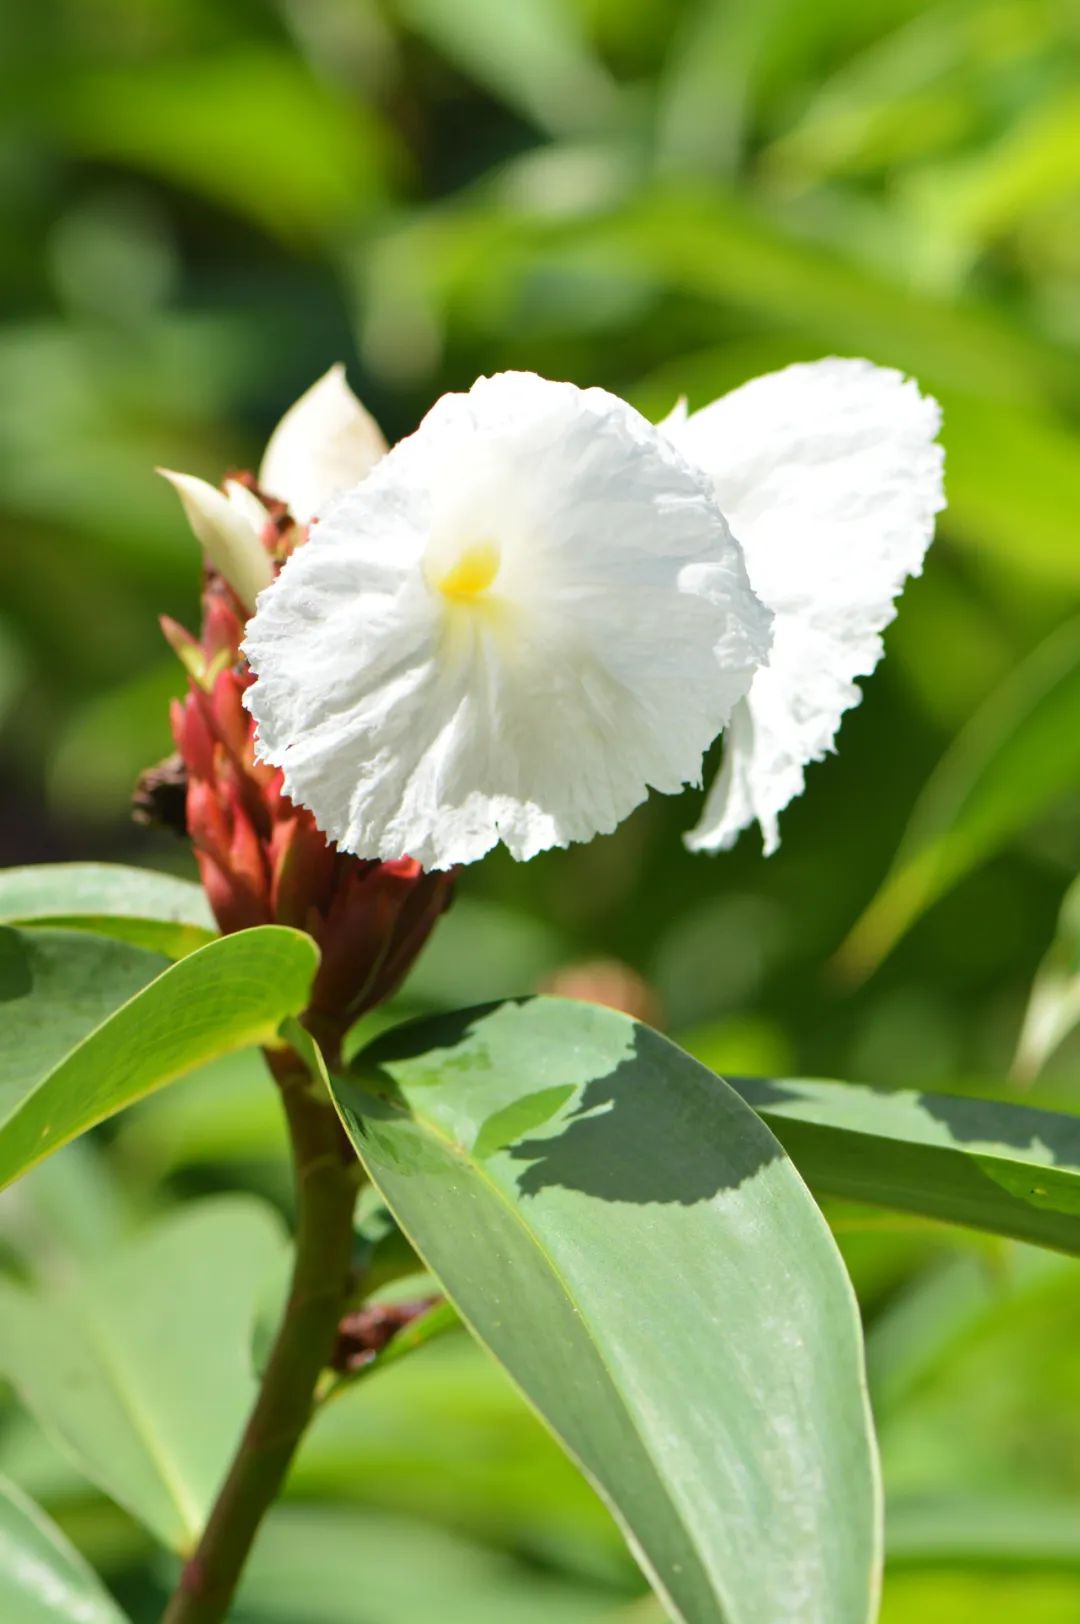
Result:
pixel 1010 1169
pixel 43 1579
pixel 1018 755
pixel 150 1382
pixel 619 1231
pixel 136 905
pixel 232 993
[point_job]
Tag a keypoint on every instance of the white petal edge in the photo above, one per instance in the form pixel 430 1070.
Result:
pixel 619 633
pixel 226 533
pixel 325 443
pixel 830 477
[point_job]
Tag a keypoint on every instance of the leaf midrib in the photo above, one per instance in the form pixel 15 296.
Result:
pixel 457 1150
pixel 181 1495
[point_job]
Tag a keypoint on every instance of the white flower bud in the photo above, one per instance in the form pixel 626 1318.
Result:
pixel 325 444
pixel 224 527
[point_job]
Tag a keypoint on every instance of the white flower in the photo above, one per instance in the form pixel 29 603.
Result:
pixel 830 479
pixel 529 612
pixel 325 443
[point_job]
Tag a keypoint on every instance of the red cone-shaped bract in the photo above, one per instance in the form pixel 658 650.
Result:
pixel 263 860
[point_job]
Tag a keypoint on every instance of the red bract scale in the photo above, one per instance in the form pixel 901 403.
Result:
pixel 261 858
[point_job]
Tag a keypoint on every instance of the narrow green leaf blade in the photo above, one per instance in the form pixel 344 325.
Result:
pixel 43 1579
pixel 1010 1169
pixel 135 905
pixel 532 55
pixel 1053 1009
pixel 232 993
pixel 1017 756
pixel 152 1377
pixel 645 1263
pixel 1017 1532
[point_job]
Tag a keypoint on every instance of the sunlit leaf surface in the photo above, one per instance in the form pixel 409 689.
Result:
pixel 615 1225
pixel 1007 1168
pixel 136 905
pixel 57 1082
pixel 43 1579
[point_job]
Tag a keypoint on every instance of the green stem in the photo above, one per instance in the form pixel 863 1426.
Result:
pixel 326 1173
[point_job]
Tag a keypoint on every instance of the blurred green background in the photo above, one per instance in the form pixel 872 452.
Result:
pixel 207 204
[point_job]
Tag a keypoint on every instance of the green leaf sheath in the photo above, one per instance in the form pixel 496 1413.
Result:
pixel 62 1071
pixel 641 1256
pixel 134 905
pixel 1010 1169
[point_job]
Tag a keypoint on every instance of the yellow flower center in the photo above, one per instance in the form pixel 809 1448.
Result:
pixel 473 573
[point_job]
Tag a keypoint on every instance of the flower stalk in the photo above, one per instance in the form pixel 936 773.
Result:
pixel 327 1175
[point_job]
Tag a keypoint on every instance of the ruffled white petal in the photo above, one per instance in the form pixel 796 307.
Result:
pixel 326 443
pixel 530 612
pixel 830 478
pixel 227 534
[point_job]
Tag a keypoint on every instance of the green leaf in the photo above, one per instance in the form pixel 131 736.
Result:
pixel 1010 1169
pixel 227 1112
pixel 43 1579
pixel 131 904
pixel 703 242
pixel 315 1563
pixel 216 123
pixel 445 1437
pixel 984 1533
pixel 618 1230
pixel 1017 756
pixel 1013 475
pixel 55 988
pixel 531 54
pixel 965 1597
pixel 1053 1009
pixel 232 993
pixel 150 1380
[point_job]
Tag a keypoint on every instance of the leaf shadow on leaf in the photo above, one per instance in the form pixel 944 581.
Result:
pixel 1050 1135
pixel 1047 1133
pixel 605 1144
